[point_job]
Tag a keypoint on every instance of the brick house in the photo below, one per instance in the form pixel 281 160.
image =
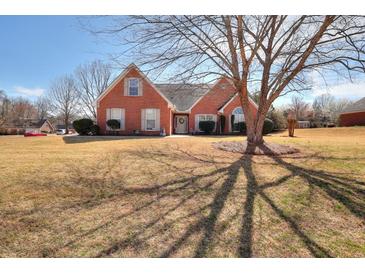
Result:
pixel 147 109
pixel 40 126
pixel 27 125
pixel 353 115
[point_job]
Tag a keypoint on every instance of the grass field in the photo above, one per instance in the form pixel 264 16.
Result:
pixel 180 197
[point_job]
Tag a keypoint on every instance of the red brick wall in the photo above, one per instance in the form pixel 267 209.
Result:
pixel 212 101
pixel 227 112
pixel 352 119
pixel 133 105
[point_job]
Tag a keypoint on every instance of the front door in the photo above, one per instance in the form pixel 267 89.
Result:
pixel 181 124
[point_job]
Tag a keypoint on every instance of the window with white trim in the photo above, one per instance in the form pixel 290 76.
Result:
pixel 151 119
pixel 237 118
pixel 133 87
pixel 204 117
pixel 115 114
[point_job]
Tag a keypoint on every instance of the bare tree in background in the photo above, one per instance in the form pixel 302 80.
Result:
pixel 17 111
pixel 43 106
pixel 327 108
pixel 92 79
pixel 21 111
pixel 64 98
pixel 298 107
pixel 272 54
pixel 4 108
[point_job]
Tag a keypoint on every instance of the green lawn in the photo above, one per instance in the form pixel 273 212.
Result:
pixel 180 197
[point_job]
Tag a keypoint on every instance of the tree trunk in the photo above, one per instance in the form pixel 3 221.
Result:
pixel 254 123
pixel 254 133
pixel 66 125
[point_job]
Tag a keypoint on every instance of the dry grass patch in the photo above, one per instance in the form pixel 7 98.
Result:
pixel 270 149
pixel 180 197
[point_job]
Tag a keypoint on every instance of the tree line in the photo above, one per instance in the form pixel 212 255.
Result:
pixel 69 97
pixel 324 111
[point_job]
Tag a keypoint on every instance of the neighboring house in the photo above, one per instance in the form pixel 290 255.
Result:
pixel 149 109
pixel 28 125
pixel 39 126
pixel 303 124
pixel 354 114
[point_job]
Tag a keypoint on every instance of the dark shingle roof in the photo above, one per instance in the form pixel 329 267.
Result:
pixel 30 123
pixel 357 106
pixel 183 96
pixel 39 123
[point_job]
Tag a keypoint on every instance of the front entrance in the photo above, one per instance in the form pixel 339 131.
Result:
pixel 181 124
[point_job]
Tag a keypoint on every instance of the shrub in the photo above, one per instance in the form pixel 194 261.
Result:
pixel 113 124
pixel 83 126
pixel 278 118
pixel 222 122
pixel 241 127
pixel 95 130
pixel 232 122
pixel 268 126
pixel 207 126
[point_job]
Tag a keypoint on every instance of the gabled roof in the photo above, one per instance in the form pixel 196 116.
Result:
pixel 358 106
pixel 221 109
pixel 181 97
pixel 30 123
pixel 122 75
pixel 184 96
pixel 39 123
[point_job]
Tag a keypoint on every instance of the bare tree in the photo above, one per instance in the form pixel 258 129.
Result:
pixel 340 106
pixel 298 107
pixel 4 108
pixel 21 111
pixel 64 98
pixel 43 107
pixel 16 111
pixel 272 54
pixel 327 108
pixel 92 79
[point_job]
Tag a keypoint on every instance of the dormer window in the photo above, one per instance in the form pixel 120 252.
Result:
pixel 133 87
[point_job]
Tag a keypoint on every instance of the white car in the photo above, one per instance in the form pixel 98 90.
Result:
pixel 61 131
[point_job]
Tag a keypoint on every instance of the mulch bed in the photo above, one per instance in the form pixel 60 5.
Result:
pixel 264 149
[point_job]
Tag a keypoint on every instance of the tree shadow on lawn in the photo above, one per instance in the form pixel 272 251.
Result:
pixel 217 184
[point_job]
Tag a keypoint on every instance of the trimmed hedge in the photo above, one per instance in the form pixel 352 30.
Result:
pixel 83 126
pixel 241 127
pixel 95 130
pixel 86 126
pixel 207 126
pixel 113 124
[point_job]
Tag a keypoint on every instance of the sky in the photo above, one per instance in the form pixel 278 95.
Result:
pixel 34 50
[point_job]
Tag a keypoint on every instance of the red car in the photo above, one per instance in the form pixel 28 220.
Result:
pixel 34 134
